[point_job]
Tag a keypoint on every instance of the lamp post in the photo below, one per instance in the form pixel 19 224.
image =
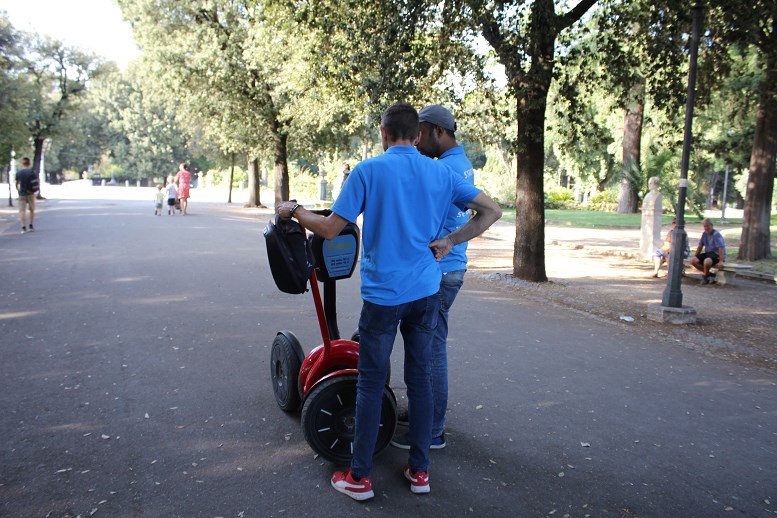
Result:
pixel 725 195
pixel 672 308
pixel 11 176
pixel 673 295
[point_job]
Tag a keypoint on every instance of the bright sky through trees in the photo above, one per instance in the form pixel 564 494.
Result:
pixel 92 25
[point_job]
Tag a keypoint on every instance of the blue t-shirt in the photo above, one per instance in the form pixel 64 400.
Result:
pixel 712 243
pixel 404 197
pixel 457 216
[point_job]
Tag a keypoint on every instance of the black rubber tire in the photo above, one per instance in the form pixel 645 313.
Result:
pixel 329 415
pixel 284 371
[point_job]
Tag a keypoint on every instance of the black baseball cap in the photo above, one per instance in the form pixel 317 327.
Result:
pixel 437 115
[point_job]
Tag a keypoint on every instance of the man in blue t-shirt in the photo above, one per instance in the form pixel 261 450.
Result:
pixel 437 139
pixel 714 255
pixel 403 198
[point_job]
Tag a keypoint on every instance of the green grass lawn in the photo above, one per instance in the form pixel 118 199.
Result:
pixel 599 219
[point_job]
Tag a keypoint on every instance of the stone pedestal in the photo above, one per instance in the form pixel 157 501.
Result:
pixel 683 315
pixel 652 208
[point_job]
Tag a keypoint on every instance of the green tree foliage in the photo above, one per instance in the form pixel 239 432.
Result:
pixel 13 90
pixel 197 56
pixel 58 76
pixel 754 24
pixel 633 57
pixel 523 36
pixel 368 54
pixel 144 136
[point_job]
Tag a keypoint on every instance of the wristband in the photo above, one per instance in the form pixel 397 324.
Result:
pixel 294 209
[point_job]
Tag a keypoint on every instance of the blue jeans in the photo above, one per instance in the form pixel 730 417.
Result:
pixel 449 287
pixel 377 329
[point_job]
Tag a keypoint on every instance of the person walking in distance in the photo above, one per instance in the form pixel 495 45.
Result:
pixel 159 199
pixel 437 139
pixel 184 179
pixel 400 280
pixel 172 195
pixel 27 187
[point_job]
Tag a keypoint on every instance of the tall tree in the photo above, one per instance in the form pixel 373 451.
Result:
pixel 60 75
pixel 198 54
pixel 139 127
pixel 523 35
pixel 755 23
pixel 13 91
pixel 373 53
pixel 634 55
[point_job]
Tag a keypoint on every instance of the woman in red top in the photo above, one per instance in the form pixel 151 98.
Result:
pixel 183 178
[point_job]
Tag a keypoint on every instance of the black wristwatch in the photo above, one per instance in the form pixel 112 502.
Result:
pixel 294 209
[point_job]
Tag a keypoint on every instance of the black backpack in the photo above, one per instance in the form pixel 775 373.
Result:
pixel 33 185
pixel 288 254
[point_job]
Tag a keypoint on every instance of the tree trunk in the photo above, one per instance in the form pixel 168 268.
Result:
pixel 532 94
pixel 231 176
pixel 254 183
pixel 632 140
pixel 760 184
pixel 281 168
pixel 37 157
pixel 530 88
pixel 529 253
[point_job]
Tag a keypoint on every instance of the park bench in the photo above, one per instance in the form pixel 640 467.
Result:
pixel 728 274
pixel 723 276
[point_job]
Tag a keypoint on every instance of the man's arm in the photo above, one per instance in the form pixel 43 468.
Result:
pixel 327 227
pixel 487 212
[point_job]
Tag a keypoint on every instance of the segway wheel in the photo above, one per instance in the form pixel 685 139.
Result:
pixel 284 371
pixel 329 418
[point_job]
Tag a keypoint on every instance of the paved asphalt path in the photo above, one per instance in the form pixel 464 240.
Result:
pixel 134 381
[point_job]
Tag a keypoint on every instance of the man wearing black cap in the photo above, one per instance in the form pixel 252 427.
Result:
pixel 399 278
pixel 437 139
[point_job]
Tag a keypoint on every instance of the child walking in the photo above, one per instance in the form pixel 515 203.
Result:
pixel 160 197
pixel 172 195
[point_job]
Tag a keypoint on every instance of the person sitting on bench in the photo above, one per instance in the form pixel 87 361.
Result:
pixel 714 252
pixel 662 254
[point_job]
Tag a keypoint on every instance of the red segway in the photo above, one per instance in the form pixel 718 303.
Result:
pixel 323 383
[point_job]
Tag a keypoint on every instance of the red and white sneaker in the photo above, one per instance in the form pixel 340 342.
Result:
pixel 343 481
pixel 419 481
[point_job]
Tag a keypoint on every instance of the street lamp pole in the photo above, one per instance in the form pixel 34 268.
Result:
pixel 11 176
pixel 673 295
pixel 725 195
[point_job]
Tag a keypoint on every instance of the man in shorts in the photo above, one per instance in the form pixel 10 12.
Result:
pixel 25 185
pixel 714 252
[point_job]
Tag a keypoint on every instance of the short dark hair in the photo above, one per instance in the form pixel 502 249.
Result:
pixel 26 161
pixel 400 120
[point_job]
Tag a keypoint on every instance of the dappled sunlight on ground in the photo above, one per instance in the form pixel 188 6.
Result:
pixel 598 271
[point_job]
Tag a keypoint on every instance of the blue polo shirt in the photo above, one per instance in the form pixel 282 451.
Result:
pixel 712 243
pixel 404 198
pixel 456 159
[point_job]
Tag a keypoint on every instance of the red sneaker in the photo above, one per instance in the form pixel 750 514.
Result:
pixel 419 481
pixel 362 490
